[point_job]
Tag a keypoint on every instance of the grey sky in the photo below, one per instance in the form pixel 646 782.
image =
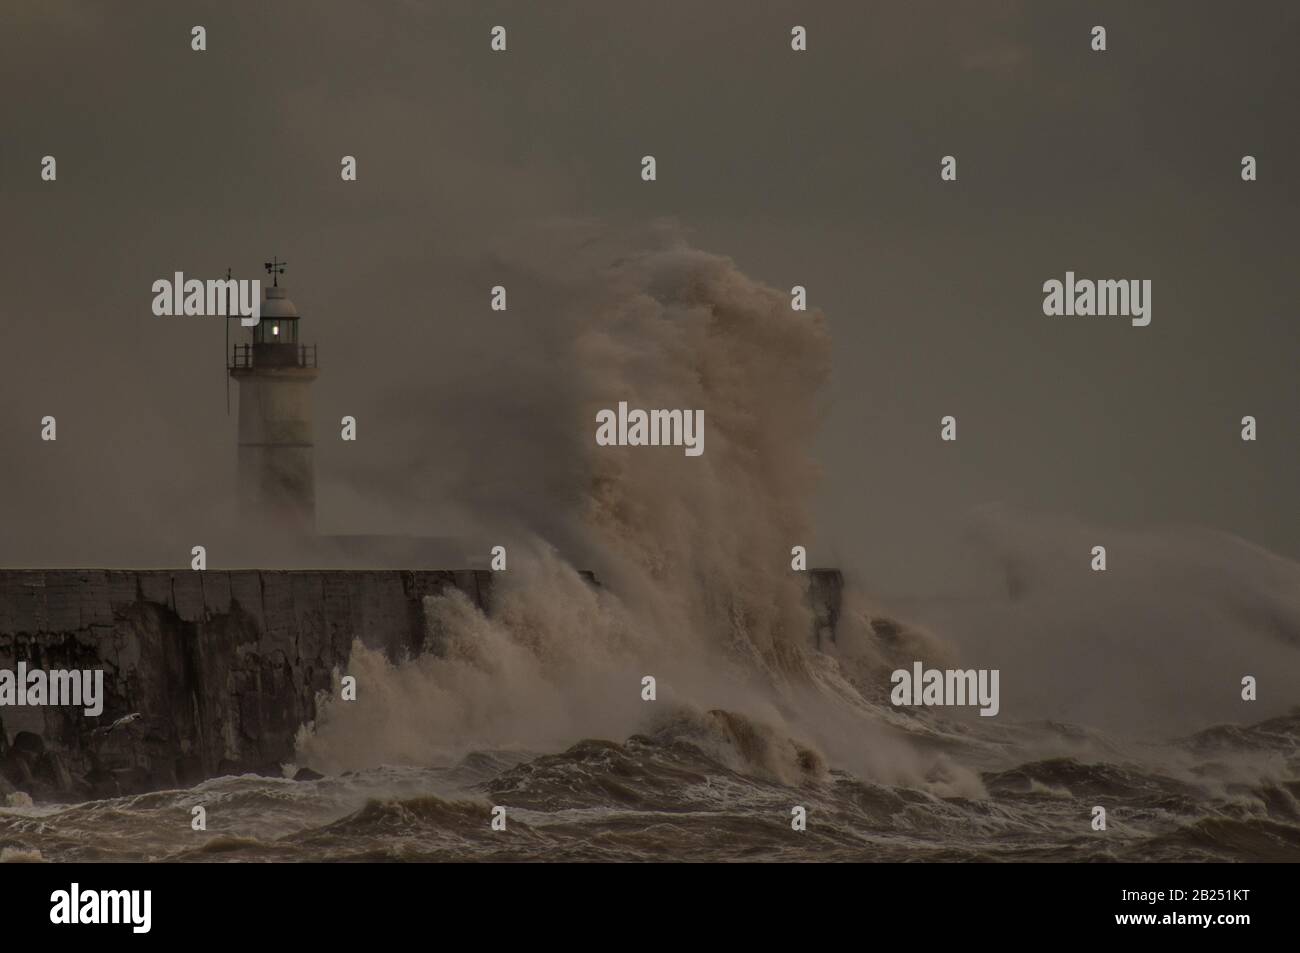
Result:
pixel 819 169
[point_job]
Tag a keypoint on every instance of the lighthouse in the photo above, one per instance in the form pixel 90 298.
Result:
pixel 275 371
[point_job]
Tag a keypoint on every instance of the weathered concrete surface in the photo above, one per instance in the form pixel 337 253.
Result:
pixel 223 667
pixel 825 596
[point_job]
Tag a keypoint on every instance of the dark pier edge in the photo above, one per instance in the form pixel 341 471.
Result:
pixel 223 667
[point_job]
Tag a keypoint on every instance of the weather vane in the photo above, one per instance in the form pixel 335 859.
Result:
pixel 275 268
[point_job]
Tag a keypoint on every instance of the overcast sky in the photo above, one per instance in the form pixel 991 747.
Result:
pixel 820 169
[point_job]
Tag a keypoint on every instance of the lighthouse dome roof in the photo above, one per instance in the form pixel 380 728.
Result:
pixel 277 304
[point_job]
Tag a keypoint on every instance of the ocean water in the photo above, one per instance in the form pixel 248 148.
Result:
pixel 704 791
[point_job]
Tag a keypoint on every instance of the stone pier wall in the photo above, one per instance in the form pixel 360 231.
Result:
pixel 208 673
pixel 222 667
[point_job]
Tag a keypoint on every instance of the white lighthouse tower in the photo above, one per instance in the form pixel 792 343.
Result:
pixel 275 371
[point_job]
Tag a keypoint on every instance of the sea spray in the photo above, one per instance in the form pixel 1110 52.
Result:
pixel 694 588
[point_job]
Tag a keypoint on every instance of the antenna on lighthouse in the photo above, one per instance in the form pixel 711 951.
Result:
pixel 227 356
pixel 275 268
